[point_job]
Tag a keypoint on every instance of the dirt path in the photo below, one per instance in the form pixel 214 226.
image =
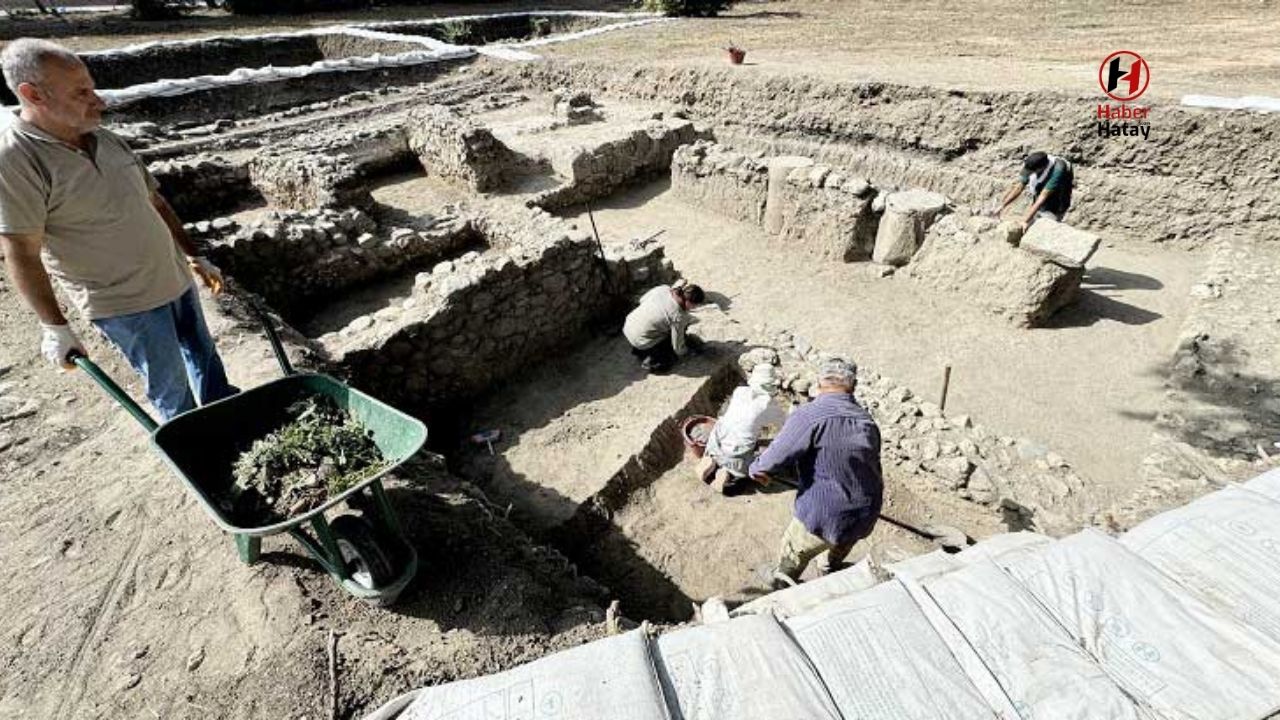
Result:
pixel 1087 387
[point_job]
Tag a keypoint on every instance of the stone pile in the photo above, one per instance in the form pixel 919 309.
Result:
pixel 712 176
pixel 304 179
pixel 822 210
pixel 202 186
pixel 458 149
pixel 816 207
pixel 973 257
pixel 633 150
pixel 1015 475
pixel 575 106
pixel 294 259
pixel 485 316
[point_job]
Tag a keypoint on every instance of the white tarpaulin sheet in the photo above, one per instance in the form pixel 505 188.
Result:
pixel 1041 668
pixel 1261 103
pixel 1267 484
pixel 745 669
pixel 806 596
pixel 938 562
pixel 882 660
pixel 1224 549
pixel 1166 649
pixel 612 678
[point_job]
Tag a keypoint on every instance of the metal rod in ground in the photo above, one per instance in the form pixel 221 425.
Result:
pixel 333 675
pixel 608 279
pixel 946 383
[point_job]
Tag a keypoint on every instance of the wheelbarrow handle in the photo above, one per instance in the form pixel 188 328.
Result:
pixel 285 366
pixel 116 392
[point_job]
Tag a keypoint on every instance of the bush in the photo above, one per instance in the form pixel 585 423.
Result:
pixel 154 10
pixel 276 7
pixel 688 8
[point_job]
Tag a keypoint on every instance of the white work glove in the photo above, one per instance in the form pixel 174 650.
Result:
pixel 209 273
pixel 57 343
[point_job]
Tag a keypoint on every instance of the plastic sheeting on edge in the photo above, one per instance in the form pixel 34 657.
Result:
pixel 1163 646
pixel 1042 669
pixel 745 669
pixel 611 678
pixel 1268 483
pixel 808 595
pixel 882 660
pixel 939 562
pixel 1223 548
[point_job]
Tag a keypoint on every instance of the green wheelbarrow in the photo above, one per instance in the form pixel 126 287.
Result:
pixel 365 553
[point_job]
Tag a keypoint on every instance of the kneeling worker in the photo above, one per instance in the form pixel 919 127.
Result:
pixel 1049 180
pixel 732 445
pixel 834 445
pixel 656 328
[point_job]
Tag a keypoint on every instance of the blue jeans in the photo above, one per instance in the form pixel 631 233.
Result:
pixel 170 347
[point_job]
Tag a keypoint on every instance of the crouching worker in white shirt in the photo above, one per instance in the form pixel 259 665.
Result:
pixel 732 444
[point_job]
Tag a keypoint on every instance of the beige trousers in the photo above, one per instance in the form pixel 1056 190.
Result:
pixel 799 547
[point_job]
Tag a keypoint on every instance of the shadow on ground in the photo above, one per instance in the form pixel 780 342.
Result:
pixel 1096 304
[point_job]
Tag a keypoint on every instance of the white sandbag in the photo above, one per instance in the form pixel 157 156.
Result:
pixel 807 595
pixel 1267 483
pixel 1223 548
pixel 882 660
pixel 610 678
pixel 744 669
pixel 938 562
pixel 1043 670
pixel 1164 647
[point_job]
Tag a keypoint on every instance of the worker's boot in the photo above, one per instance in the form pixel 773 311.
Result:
pixel 705 469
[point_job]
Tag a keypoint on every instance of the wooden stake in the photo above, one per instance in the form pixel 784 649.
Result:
pixel 946 383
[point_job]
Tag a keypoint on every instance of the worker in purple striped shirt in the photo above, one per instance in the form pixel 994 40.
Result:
pixel 833 445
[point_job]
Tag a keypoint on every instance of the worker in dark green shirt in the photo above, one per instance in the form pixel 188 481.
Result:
pixel 1049 180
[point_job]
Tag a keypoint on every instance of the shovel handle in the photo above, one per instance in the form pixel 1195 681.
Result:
pixel 285 366
pixel 116 392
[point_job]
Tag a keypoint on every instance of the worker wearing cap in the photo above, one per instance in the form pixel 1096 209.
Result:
pixel 833 446
pixel 78 205
pixel 1049 180
pixel 732 444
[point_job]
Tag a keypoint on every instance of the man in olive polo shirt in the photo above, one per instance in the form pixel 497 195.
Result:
pixel 76 195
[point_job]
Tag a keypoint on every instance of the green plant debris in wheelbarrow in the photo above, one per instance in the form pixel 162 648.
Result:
pixel 321 451
pixel 365 551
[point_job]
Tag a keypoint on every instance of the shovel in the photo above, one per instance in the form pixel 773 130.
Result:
pixel 949 538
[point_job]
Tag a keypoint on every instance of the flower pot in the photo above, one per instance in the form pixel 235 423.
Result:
pixel 736 55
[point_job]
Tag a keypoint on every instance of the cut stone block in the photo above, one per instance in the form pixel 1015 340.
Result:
pixel 907 216
pixel 1024 287
pixel 779 168
pixel 1059 241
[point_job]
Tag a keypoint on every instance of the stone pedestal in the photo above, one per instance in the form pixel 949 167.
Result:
pixel 907 216
pixel 779 169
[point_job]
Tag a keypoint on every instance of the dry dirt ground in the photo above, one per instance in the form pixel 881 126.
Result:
pixel 1097 414
pixel 1192 47
pixel 126 600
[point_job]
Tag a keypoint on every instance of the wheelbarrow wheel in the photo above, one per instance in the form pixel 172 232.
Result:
pixel 363 554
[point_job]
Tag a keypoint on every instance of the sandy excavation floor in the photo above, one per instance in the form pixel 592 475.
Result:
pixel 125 601
pixel 1046 384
